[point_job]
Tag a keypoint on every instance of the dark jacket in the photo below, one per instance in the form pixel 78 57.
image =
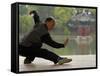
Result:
pixel 38 36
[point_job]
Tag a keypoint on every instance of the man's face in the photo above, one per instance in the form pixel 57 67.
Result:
pixel 50 25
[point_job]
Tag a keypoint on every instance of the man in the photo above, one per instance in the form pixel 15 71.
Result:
pixel 30 47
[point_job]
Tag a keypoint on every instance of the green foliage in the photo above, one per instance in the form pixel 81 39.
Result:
pixel 67 31
pixel 63 14
pixel 25 24
pixel 23 10
pixel 93 11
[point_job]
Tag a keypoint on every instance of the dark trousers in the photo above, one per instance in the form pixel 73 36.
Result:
pixel 32 52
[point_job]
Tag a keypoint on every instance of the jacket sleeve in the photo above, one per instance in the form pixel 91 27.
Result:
pixel 48 40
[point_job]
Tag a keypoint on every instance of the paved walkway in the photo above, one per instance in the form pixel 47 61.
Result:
pixel 78 61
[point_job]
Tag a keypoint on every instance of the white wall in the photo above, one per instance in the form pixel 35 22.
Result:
pixel 5 23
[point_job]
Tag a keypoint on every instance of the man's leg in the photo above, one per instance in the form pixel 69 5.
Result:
pixel 29 59
pixel 46 54
pixel 23 51
pixel 31 53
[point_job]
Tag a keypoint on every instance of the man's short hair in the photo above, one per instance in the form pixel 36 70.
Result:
pixel 49 19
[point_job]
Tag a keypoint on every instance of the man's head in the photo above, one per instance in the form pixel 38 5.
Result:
pixel 50 22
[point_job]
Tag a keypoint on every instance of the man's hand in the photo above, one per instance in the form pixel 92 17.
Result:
pixel 65 42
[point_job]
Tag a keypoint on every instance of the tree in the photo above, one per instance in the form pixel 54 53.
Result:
pixel 25 24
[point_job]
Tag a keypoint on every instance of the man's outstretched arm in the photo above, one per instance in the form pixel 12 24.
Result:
pixel 48 40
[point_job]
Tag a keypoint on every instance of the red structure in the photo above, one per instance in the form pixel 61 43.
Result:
pixel 84 30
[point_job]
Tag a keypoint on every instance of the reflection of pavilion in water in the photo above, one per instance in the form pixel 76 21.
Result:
pixel 82 25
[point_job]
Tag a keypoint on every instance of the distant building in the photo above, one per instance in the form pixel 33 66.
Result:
pixel 82 23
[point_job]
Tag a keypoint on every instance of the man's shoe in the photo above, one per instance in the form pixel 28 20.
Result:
pixel 27 61
pixel 64 60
